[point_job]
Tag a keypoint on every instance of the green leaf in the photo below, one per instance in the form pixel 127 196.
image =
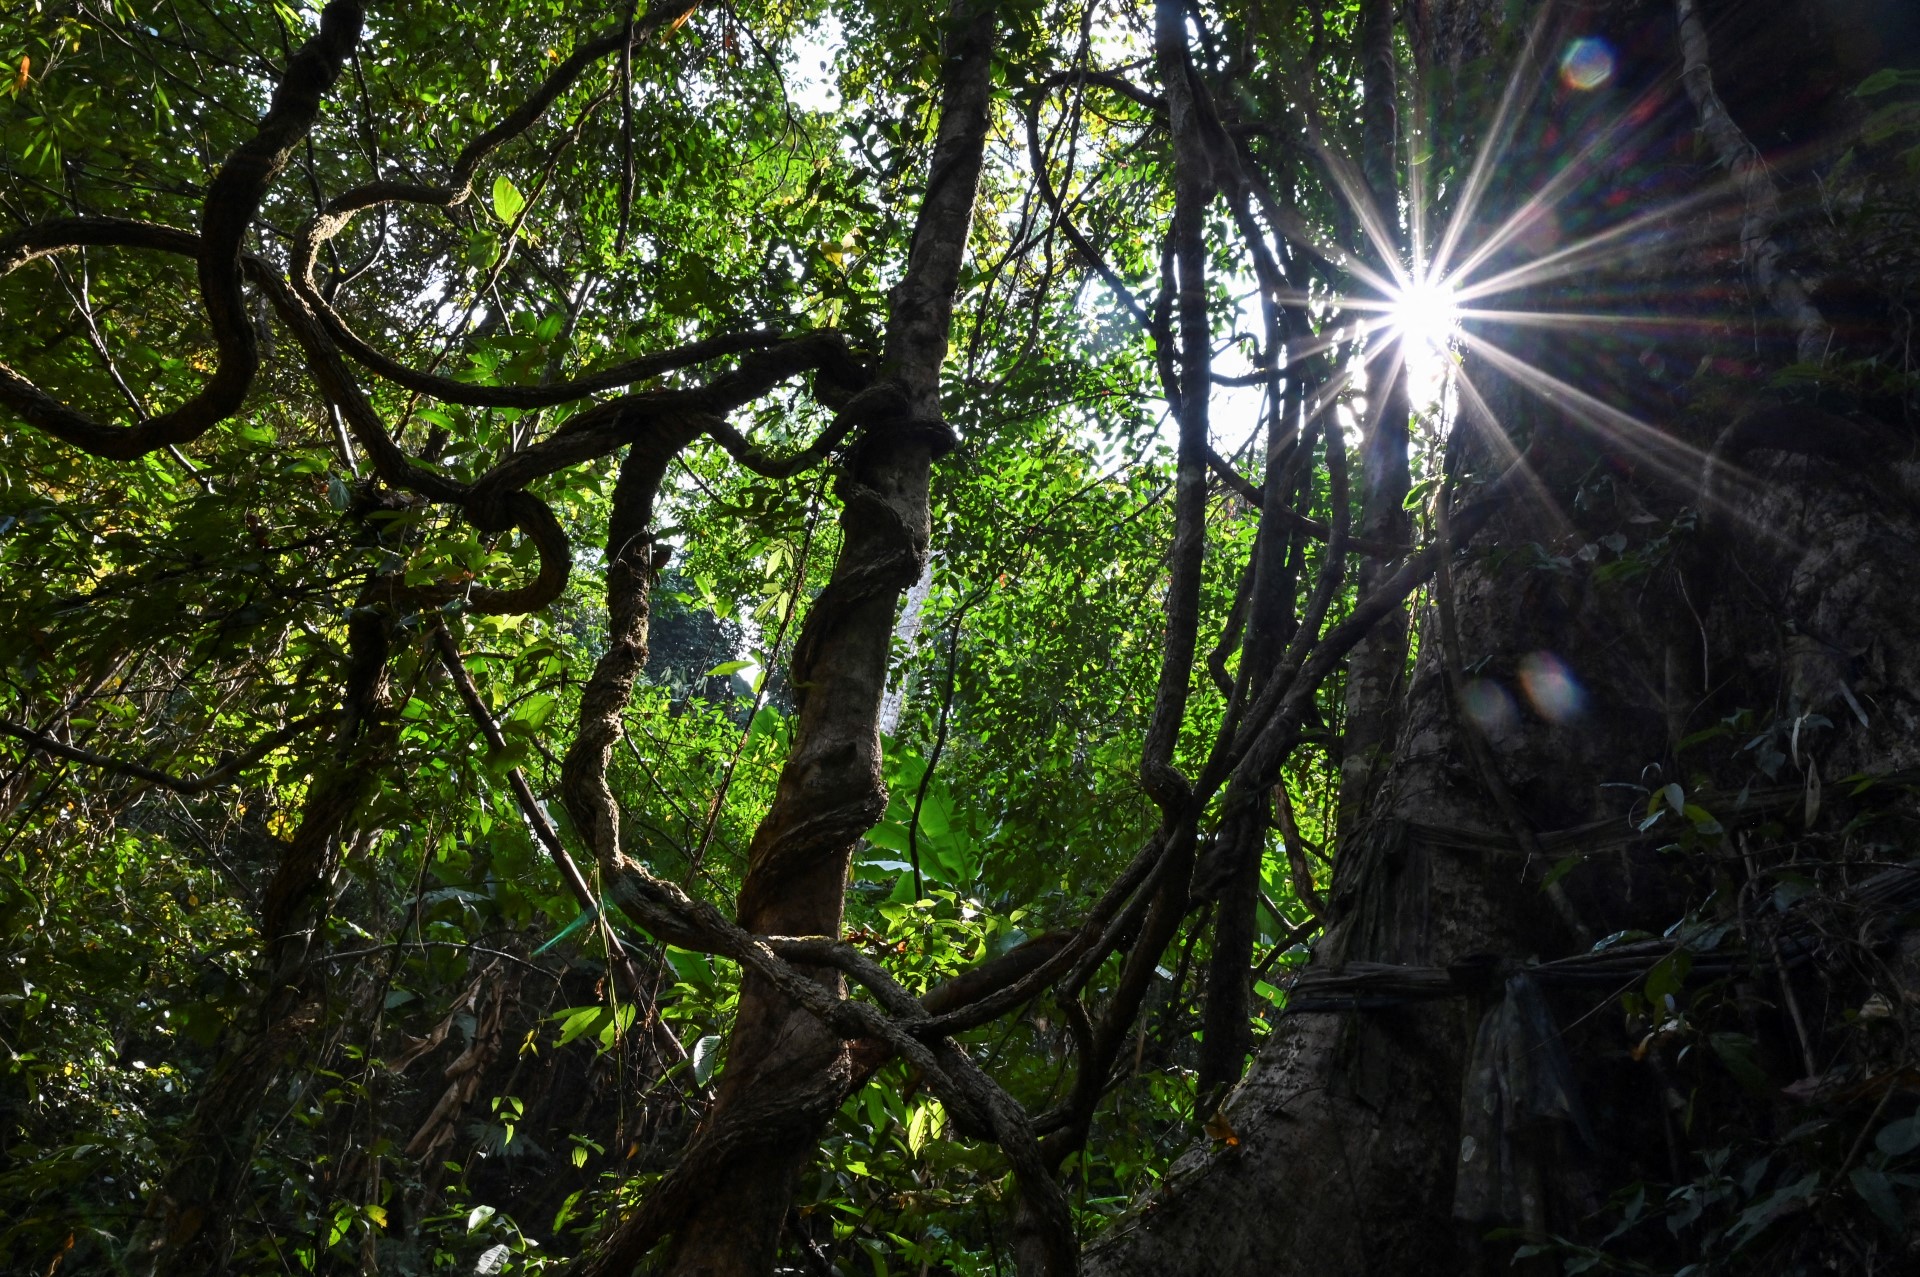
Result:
pixel 706 1058
pixel 918 1128
pixel 517 753
pixel 1896 1139
pixel 1669 976
pixel 1703 821
pixel 1877 1193
pixel 507 199
pixel 532 714
pixel 1879 82
pixel 617 1024
pixel 692 967
pixel 580 1021
pixel 1564 866
pixel 889 835
pixel 586 916
pixel 561 1216
pixel 1736 1051
pixel 727 667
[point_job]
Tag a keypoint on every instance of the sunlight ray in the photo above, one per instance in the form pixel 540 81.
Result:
pixel 1585 254
pixel 1500 135
pixel 1395 354
pixel 1419 156
pixel 1353 333
pixel 1327 398
pixel 1295 233
pixel 1578 319
pixel 1673 460
pixel 1365 304
pixel 1567 176
pixel 1645 440
pixel 1475 406
pixel 1373 224
pixel 1722 198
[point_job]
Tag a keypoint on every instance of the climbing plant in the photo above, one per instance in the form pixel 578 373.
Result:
pixel 780 636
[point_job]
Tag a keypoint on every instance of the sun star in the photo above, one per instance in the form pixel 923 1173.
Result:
pixel 1424 316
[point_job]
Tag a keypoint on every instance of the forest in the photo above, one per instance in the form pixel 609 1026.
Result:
pixel 860 639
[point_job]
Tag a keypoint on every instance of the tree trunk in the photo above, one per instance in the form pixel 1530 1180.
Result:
pixel 787 1073
pixel 1389 1135
pixel 1377 669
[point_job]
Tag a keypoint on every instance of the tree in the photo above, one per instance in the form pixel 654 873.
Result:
pixel 1513 375
pixel 1592 724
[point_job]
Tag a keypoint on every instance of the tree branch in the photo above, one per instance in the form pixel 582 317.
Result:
pixel 166 780
pixel 232 202
pixel 1759 197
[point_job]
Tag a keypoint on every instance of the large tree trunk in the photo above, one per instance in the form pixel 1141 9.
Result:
pixel 1389 1136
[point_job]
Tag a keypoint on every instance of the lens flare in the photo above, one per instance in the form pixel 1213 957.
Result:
pixel 1551 688
pixel 1439 310
pixel 1587 64
pixel 1489 707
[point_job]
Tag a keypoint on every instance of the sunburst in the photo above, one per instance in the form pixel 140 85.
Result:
pixel 1445 306
pixel 1423 316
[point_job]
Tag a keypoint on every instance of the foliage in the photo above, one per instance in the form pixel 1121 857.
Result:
pixel 460 1058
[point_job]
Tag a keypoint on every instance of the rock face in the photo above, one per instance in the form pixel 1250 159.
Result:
pixel 1700 574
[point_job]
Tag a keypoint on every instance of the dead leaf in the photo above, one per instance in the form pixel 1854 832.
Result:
pixel 1879 1084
